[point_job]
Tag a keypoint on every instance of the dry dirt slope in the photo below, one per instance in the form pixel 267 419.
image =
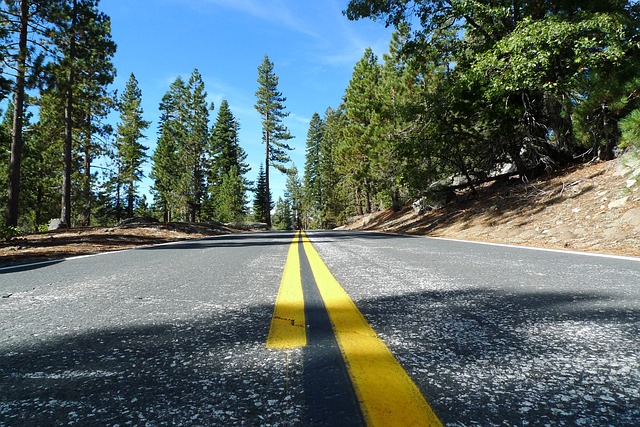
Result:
pixel 588 208
pixel 88 240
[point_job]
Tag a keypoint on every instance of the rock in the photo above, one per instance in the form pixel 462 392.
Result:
pixel 632 217
pixel 139 220
pixel 435 198
pixel 618 203
pixel 55 224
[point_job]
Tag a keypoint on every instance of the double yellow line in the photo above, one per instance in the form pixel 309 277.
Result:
pixel 387 396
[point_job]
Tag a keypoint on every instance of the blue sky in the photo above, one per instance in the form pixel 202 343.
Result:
pixel 313 46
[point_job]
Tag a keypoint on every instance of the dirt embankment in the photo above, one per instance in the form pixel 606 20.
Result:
pixel 89 240
pixel 593 208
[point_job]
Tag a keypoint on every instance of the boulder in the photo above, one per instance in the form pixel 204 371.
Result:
pixel 618 203
pixel 139 220
pixel 56 224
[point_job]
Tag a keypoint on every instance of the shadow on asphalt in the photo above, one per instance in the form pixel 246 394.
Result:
pixel 496 358
pixel 30 266
pixel 204 371
pixel 249 239
pixel 269 238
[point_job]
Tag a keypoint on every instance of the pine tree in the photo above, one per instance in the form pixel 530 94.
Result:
pixel 231 197
pixel 270 106
pixel 166 168
pixel 332 201
pixel 192 148
pixel 27 16
pixel 282 217
pixel 262 203
pixel 131 153
pixel 313 190
pixel 396 105
pixel 361 112
pixel 294 197
pixel 224 154
pixel 80 77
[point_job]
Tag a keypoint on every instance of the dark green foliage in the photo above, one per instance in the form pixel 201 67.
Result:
pixel 470 88
pixel 282 217
pixel 262 202
pixel 226 161
pixel 313 190
pixel 131 154
pixel 192 150
pixel 230 197
pixel 630 128
pixel 64 49
pixel 294 197
pixel 165 168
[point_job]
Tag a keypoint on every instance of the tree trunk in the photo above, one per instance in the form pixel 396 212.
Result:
pixel 367 198
pixel 18 118
pixel 65 211
pixel 395 198
pixel 87 168
pixel 266 204
pixel 358 202
pixel 118 203
pixel 130 201
pixel 86 214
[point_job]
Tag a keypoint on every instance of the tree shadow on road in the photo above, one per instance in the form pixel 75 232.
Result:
pixel 207 371
pixel 482 356
pixel 496 358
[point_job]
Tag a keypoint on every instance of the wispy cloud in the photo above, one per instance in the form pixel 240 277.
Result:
pixel 299 119
pixel 274 11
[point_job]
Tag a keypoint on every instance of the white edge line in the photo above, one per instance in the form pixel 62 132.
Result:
pixel 535 248
pixel 509 245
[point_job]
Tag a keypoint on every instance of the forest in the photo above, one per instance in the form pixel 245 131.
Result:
pixel 470 91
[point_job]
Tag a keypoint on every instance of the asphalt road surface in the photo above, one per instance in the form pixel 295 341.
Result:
pixel 176 334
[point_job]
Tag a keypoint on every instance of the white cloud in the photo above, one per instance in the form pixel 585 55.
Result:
pixel 275 11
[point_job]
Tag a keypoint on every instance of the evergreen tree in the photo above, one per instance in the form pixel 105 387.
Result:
pixel 270 106
pixel 42 164
pixel 294 197
pixel 313 191
pixel 362 108
pixel 166 168
pixel 333 201
pixel 25 21
pixel 262 203
pixel 80 77
pixel 225 154
pixel 231 197
pixel 398 82
pixel 282 217
pixel 192 148
pixel 131 153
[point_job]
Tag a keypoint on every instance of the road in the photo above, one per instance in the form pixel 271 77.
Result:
pixel 177 334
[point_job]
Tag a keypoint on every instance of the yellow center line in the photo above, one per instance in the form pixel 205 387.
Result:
pixel 387 396
pixel 288 328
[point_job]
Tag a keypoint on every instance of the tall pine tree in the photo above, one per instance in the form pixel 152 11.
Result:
pixel 313 197
pixel 224 155
pixel 192 149
pixel 270 106
pixel 26 22
pixel 361 112
pixel 80 76
pixel 131 153
pixel 165 169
